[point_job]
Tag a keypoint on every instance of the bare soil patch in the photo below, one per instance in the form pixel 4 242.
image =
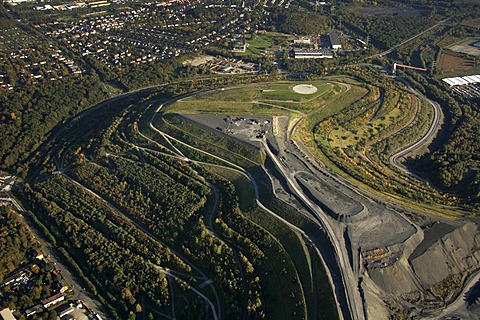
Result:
pixel 453 62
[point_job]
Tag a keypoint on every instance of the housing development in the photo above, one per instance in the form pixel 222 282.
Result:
pixel 240 159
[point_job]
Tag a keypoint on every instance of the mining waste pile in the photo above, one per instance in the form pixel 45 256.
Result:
pixel 425 273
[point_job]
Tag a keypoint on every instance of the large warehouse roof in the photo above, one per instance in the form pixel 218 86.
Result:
pixel 334 40
pixel 459 81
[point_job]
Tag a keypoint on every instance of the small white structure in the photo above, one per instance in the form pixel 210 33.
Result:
pixel 6 314
pixel 305 89
pixel 302 40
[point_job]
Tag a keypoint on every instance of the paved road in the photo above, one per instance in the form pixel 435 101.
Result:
pixel 355 304
pixel 80 293
pixel 432 131
pixel 459 305
pixel 386 52
pixel 349 281
pixel 261 205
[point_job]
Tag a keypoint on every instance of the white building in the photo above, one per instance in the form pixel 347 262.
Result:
pixel 6 314
pixel 312 54
pixel 53 300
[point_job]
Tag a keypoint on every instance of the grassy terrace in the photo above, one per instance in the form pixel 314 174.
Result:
pixel 344 119
pixel 351 125
pixel 303 270
pixel 357 132
pixel 289 261
pixel 142 185
pixel 258 99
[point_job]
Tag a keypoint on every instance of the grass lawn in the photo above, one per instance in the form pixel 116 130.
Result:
pixel 257 99
pixel 458 73
pixel 258 43
pixel 293 275
pixel 290 244
pixel 285 261
pixel 285 91
pixel 242 185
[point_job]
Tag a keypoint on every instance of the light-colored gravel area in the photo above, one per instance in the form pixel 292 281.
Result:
pixel 305 89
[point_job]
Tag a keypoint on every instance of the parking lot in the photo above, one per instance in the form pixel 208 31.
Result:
pixel 251 129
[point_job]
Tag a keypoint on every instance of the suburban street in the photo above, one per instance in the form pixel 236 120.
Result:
pixel 80 293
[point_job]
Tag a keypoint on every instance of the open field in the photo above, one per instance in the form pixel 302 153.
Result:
pixel 258 43
pixel 466 46
pixel 453 62
pixel 263 91
pixel 259 99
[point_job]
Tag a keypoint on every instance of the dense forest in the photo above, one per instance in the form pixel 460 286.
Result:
pixel 301 21
pixel 453 163
pixel 30 114
pixel 16 241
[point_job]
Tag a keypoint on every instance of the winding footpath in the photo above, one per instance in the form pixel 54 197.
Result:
pixel 160 268
pixel 349 281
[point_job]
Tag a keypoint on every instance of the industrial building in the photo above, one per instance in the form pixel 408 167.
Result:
pixel 460 81
pixel 331 40
pixel 323 53
pixel 335 43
